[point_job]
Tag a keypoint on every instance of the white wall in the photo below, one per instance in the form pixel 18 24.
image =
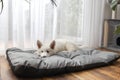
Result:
pixel 118 12
pixel 107 11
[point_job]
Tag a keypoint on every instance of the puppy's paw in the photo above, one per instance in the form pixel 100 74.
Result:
pixel 37 53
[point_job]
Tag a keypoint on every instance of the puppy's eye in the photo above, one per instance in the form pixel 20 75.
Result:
pixel 47 51
pixel 42 51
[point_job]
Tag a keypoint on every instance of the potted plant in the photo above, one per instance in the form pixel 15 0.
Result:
pixel 113 5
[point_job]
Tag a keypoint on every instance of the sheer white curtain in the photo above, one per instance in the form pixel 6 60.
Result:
pixel 4 27
pixel 93 22
pixel 18 28
pixel 42 20
pixel 37 18
pixel 30 22
pixel 23 23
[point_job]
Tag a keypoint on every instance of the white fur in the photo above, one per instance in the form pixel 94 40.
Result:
pixel 60 45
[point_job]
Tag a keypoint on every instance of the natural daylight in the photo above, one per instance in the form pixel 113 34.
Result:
pixel 59 39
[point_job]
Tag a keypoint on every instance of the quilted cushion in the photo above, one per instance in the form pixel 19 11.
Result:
pixel 26 64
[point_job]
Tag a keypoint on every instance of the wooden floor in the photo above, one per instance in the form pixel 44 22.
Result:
pixel 103 73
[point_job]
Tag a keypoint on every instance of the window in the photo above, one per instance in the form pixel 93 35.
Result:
pixel 65 20
pixel 70 18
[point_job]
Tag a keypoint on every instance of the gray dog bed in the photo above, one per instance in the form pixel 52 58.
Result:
pixel 26 64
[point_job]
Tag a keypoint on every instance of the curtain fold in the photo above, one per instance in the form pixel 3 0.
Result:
pixel 24 23
pixel 18 23
pixel 93 22
pixel 4 27
pixel 37 15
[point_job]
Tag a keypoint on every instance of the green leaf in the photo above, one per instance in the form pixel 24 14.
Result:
pixel 117 31
pixel 113 4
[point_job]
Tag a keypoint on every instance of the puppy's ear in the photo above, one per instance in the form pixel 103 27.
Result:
pixel 52 44
pixel 39 44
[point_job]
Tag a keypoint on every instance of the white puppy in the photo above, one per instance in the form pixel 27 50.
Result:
pixel 54 47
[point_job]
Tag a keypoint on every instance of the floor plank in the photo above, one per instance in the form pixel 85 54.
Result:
pixel 6 73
